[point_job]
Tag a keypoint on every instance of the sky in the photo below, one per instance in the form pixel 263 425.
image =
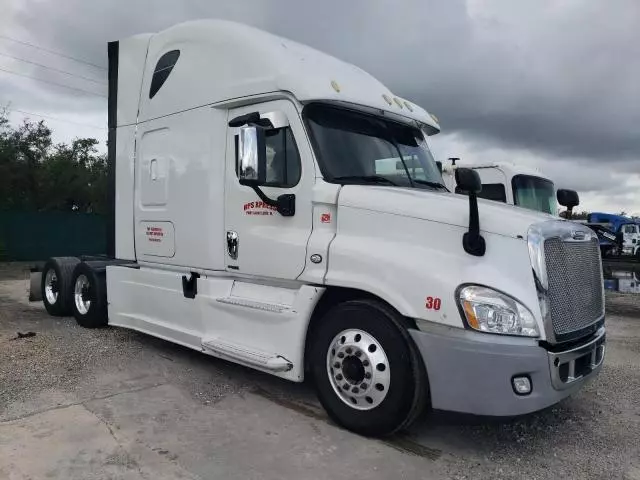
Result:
pixel 553 84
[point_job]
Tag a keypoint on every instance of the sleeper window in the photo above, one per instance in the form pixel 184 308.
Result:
pixel 162 71
pixel 283 159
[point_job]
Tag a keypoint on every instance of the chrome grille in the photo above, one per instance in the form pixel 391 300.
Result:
pixel 575 284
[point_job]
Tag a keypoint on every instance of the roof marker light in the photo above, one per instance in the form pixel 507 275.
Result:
pixel 435 119
pixel 409 107
pixel 386 98
pixel 398 102
pixel 335 86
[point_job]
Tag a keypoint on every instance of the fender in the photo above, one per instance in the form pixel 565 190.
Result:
pixel 418 274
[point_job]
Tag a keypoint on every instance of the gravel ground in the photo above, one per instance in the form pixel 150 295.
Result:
pixel 592 435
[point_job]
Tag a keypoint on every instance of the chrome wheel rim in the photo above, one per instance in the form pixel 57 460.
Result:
pixel 358 369
pixel 81 294
pixel 51 286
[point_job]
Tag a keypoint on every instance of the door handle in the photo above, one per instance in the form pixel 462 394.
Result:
pixel 153 169
pixel 232 244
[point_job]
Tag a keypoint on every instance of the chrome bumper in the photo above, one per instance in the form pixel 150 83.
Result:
pixel 578 363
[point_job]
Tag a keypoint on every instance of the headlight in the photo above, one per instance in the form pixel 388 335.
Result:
pixel 490 311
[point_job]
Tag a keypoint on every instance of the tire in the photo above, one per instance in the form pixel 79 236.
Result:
pixel 55 285
pixel 379 399
pixel 89 298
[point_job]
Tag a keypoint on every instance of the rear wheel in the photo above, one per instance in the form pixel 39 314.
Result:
pixel 89 304
pixel 56 285
pixel 368 374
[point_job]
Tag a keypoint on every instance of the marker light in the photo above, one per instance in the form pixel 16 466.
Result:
pixel 335 86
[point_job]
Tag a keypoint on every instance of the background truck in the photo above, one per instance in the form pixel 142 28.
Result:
pixel 255 218
pixel 623 237
pixel 528 188
pixel 509 183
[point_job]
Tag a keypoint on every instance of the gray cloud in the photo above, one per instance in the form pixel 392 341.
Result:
pixel 552 83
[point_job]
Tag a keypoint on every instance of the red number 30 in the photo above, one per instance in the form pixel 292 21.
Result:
pixel 433 303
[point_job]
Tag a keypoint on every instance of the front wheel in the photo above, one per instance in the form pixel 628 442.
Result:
pixel 89 297
pixel 368 374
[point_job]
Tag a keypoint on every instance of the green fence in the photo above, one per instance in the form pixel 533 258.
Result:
pixel 26 236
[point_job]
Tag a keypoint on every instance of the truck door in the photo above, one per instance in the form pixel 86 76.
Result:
pixel 258 240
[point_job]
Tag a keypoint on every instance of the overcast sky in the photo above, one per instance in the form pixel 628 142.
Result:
pixel 548 83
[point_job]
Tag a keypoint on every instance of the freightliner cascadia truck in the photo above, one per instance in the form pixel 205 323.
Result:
pixel 254 218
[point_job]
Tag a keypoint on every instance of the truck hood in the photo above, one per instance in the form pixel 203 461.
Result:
pixel 442 207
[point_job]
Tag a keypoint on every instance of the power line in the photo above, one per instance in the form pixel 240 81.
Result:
pixel 53 83
pixel 54 69
pixel 53 52
pixel 56 118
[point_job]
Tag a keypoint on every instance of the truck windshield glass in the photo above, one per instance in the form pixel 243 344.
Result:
pixel 354 147
pixel 534 193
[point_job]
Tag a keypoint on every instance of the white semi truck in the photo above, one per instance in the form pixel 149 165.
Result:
pixel 255 219
pixel 510 183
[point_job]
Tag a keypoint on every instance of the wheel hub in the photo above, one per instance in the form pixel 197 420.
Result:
pixel 353 370
pixel 358 369
pixel 82 294
pixel 86 295
pixel 51 288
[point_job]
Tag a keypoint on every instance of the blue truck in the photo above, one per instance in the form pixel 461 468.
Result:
pixel 619 235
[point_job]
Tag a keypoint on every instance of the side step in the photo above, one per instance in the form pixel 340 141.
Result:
pixel 243 354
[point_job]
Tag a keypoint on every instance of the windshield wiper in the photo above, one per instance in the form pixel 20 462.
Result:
pixel 430 184
pixel 366 178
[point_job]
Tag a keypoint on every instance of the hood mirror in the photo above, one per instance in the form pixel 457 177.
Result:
pixel 468 181
pixel 569 199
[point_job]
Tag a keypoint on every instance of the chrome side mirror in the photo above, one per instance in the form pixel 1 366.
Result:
pixel 252 156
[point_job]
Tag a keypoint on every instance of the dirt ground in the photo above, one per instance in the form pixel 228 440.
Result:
pixel 114 404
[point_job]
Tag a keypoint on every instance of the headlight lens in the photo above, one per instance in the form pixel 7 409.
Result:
pixel 487 310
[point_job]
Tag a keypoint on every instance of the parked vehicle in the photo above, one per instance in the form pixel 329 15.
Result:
pixel 256 218
pixel 624 230
pixel 509 183
pixel 528 188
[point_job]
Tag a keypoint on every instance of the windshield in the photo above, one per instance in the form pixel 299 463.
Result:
pixel 534 193
pixel 354 147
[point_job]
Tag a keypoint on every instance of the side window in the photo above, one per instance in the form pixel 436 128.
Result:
pixel 162 71
pixel 491 191
pixel 283 159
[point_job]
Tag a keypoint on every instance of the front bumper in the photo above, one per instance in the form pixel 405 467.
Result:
pixel 472 372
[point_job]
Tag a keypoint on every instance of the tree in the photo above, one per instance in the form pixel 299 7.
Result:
pixel 37 175
pixel 576 215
